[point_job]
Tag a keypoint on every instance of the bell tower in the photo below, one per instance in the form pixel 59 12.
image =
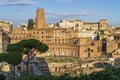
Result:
pixel 40 18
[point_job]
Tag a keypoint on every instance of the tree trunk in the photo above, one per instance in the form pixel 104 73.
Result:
pixel 1 68
pixel 30 57
pixel 14 72
pixel 27 65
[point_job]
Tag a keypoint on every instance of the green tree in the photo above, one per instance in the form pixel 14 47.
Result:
pixel 98 36
pixel 57 24
pixel 2 59
pixel 104 46
pixel 28 47
pixel 23 26
pixel 30 24
pixel 13 58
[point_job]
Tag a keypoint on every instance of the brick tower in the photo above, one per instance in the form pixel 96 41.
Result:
pixel 40 18
pixel 103 24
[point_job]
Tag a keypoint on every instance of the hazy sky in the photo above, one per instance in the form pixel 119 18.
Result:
pixel 19 11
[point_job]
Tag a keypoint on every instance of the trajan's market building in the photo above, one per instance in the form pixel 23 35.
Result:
pixel 69 38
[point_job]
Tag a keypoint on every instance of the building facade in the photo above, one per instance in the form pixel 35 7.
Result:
pixel 6 26
pixel 71 38
pixel 4 41
pixel 80 25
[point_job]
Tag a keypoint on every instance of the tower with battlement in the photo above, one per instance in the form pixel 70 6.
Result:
pixel 103 24
pixel 40 18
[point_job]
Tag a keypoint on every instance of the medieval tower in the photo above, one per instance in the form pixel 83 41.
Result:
pixel 40 18
pixel 103 24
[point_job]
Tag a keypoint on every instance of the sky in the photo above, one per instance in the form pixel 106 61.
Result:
pixel 19 11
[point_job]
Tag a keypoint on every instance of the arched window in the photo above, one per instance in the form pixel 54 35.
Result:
pixel 114 37
pixel 118 37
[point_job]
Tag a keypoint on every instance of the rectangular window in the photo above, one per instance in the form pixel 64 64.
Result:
pixel 88 49
pixel 91 50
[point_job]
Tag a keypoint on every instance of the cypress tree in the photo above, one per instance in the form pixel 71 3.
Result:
pixel 30 24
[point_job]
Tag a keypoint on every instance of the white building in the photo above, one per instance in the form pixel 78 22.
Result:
pixel 66 23
pixel 89 34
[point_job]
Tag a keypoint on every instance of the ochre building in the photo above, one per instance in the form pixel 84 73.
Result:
pixel 6 26
pixel 62 41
